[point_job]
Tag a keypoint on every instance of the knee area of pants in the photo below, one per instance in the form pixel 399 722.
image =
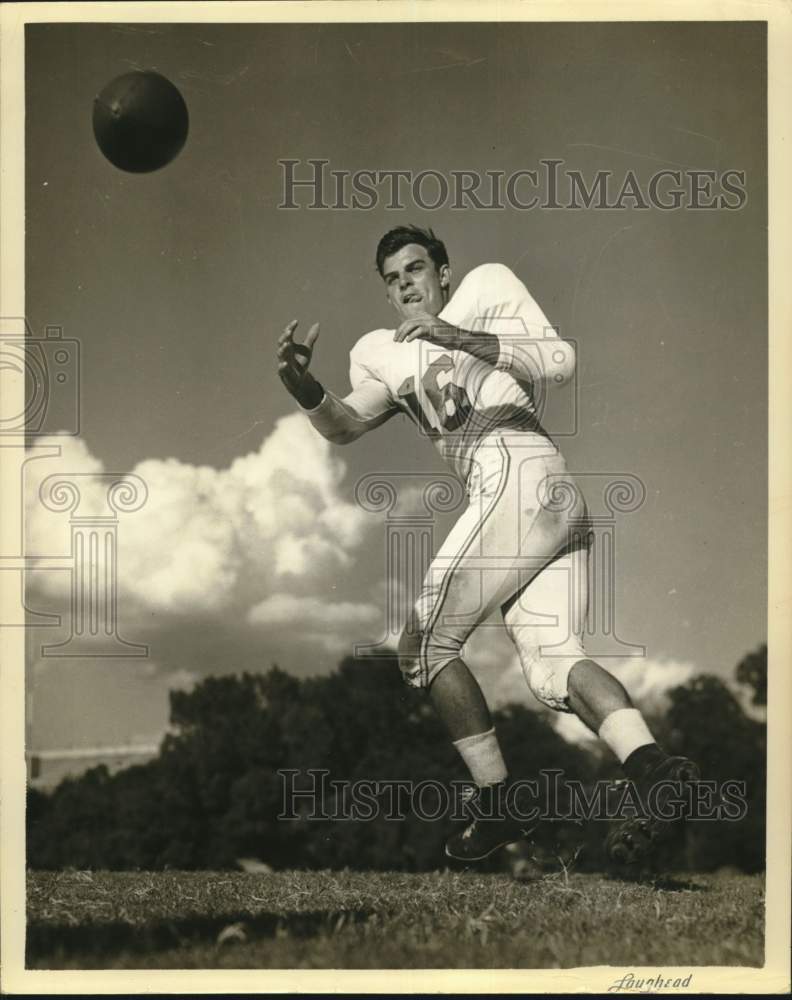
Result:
pixel 409 646
pixel 548 679
pixel 408 651
pixel 423 655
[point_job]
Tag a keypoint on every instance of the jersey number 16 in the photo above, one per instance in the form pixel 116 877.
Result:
pixel 449 401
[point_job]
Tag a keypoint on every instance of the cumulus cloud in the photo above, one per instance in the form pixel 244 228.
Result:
pixel 182 680
pixel 263 545
pixel 286 609
pixel 205 539
pixel 649 680
pixel 334 625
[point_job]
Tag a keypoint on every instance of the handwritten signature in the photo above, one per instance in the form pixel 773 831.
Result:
pixel 631 984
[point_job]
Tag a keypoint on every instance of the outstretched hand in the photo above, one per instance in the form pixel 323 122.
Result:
pixel 294 361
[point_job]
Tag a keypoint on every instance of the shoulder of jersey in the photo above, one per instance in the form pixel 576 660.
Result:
pixel 371 344
pixel 488 272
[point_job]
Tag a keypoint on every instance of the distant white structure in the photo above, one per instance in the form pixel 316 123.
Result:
pixel 46 768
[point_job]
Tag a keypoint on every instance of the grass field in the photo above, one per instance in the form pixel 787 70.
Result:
pixel 188 920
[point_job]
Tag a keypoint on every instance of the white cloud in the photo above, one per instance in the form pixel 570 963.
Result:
pixel 287 609
pixel 334 625
pixel 209 539
pixel 649 680
pixel 182 680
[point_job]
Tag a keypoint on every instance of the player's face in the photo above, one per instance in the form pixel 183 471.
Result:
pixel 414 285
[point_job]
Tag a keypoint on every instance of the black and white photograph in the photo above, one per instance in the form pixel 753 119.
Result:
pixel 394 463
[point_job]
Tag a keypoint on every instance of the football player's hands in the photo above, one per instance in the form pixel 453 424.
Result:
pixel 293 362
pixel 428 327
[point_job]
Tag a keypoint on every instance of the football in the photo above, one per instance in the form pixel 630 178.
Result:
pixel 140 121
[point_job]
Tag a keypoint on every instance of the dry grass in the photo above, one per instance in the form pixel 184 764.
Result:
pixel 298 919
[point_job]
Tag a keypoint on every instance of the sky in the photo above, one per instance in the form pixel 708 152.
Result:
pixel 250 548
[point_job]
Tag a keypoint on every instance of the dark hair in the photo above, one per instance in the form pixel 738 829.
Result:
pixel 401 236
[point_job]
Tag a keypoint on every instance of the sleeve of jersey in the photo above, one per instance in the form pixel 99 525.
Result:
pixel 368 405
pixel 496 302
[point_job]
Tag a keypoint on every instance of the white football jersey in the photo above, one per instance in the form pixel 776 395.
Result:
pixel 452 396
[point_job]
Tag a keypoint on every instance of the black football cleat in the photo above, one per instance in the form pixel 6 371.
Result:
pixel 633 841
pixel 490 828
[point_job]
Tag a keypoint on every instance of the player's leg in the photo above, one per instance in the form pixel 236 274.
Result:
pixel 431 643
pixel 459 701
pixel 477 567
pixel 602 703
pixel 455 693
pixel 545 620
pixel 460 704
pixel 594 693
pixel 456 596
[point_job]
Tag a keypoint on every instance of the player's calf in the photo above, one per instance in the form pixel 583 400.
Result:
pixel 460 704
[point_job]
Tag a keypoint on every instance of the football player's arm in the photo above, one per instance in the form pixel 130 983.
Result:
pixel 530 356
pixel 344 420
pixel 512 333
pixel 339 420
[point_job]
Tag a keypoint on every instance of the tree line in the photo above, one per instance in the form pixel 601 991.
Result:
pixel 214 793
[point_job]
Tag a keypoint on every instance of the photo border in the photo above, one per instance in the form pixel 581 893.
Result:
pixel 774 977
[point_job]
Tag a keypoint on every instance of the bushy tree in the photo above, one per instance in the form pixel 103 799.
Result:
pixel 214 793
pixel 707 722
pixel 752 671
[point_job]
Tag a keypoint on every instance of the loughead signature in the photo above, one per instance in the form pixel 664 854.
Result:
pixel 629 983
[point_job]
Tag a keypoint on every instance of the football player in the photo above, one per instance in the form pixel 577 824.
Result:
pixel 469 369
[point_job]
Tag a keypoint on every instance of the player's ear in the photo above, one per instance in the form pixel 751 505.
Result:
pixel 445 276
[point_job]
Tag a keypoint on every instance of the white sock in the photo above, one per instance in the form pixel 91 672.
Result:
pixel 483 758
pixel 624 731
